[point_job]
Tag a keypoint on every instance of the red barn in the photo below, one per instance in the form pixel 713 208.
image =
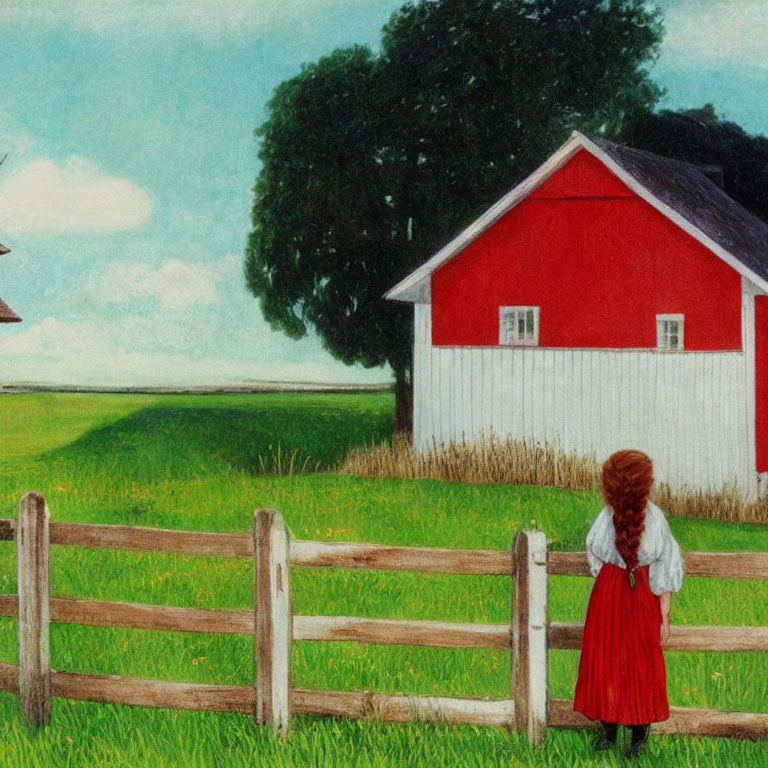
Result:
pixel 613 299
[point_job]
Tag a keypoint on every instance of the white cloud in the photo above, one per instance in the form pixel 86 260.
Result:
pixel 717 32
pixel 175 285
pixel 208 17
pixel 94 353
pixel 50 337
pixel 75 197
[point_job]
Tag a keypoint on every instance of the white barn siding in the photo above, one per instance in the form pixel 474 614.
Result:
pixel 749 291
pixel 689 411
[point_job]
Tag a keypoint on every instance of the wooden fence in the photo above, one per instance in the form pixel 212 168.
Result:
pixel 272 699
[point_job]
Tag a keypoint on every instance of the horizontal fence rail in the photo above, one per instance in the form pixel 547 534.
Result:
pixel 114 689
pixel 401 709
pixel 137 692
pixel 331 554
pixel 438 634
pixel 718 638
pixel 720 565
pixel 102 613
pixel 136 537
pixel 690 721
pixel 322 554
pixel 273 699
pixel 315 554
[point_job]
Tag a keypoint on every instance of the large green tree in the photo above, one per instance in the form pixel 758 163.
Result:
pixel 372 161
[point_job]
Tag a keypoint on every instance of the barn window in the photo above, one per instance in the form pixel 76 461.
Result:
pixel 519 326
pixel 669 331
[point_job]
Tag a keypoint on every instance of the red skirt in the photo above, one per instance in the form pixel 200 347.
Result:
pixel 622 678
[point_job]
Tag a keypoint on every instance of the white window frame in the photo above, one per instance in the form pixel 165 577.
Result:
pixel 532 341
pixel 663 333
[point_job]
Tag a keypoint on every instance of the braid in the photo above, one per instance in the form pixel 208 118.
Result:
pixel 627 478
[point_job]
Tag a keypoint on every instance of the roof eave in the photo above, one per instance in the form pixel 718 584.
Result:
pixel 7 315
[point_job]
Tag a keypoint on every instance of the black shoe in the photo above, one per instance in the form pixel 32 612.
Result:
pixel 640 735
pixel 607 736
pixel 602 743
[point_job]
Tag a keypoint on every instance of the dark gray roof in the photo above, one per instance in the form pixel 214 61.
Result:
pixel 684 188
pixel 7 315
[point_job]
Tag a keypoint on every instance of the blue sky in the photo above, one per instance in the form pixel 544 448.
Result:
pixel 125 196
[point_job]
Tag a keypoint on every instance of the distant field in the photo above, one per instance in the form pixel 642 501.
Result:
pixel 205 463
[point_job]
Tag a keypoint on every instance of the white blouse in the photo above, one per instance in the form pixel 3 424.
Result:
pixel 658 549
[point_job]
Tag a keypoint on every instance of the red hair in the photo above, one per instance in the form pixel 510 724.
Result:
pixel 626 482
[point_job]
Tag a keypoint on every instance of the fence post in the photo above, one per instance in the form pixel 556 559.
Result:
pixel 33 548
pixel 529 635
pixel 273 621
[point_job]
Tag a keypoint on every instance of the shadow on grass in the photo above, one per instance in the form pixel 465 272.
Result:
pixel 283 438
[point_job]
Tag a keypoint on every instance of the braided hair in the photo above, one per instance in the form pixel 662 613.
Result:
pixel 626 481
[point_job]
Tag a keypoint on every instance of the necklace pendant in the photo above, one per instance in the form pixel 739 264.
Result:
pixel 632 579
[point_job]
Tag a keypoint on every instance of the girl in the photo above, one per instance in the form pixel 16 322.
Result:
pixel 638 564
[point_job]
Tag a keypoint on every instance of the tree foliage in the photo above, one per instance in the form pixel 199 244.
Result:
pixel 700 136
pixel 373 161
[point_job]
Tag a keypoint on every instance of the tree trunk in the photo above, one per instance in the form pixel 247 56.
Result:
pixel 403 401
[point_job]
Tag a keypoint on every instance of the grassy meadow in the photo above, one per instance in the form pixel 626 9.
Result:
pixel 205 463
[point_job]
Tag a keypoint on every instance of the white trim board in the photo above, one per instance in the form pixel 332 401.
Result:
pixel 620 350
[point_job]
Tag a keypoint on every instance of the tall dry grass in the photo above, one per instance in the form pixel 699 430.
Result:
pixel 519 462
pixel 483 461
pixel 726 504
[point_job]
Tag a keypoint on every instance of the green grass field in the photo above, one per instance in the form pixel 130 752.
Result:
pixel 205 463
